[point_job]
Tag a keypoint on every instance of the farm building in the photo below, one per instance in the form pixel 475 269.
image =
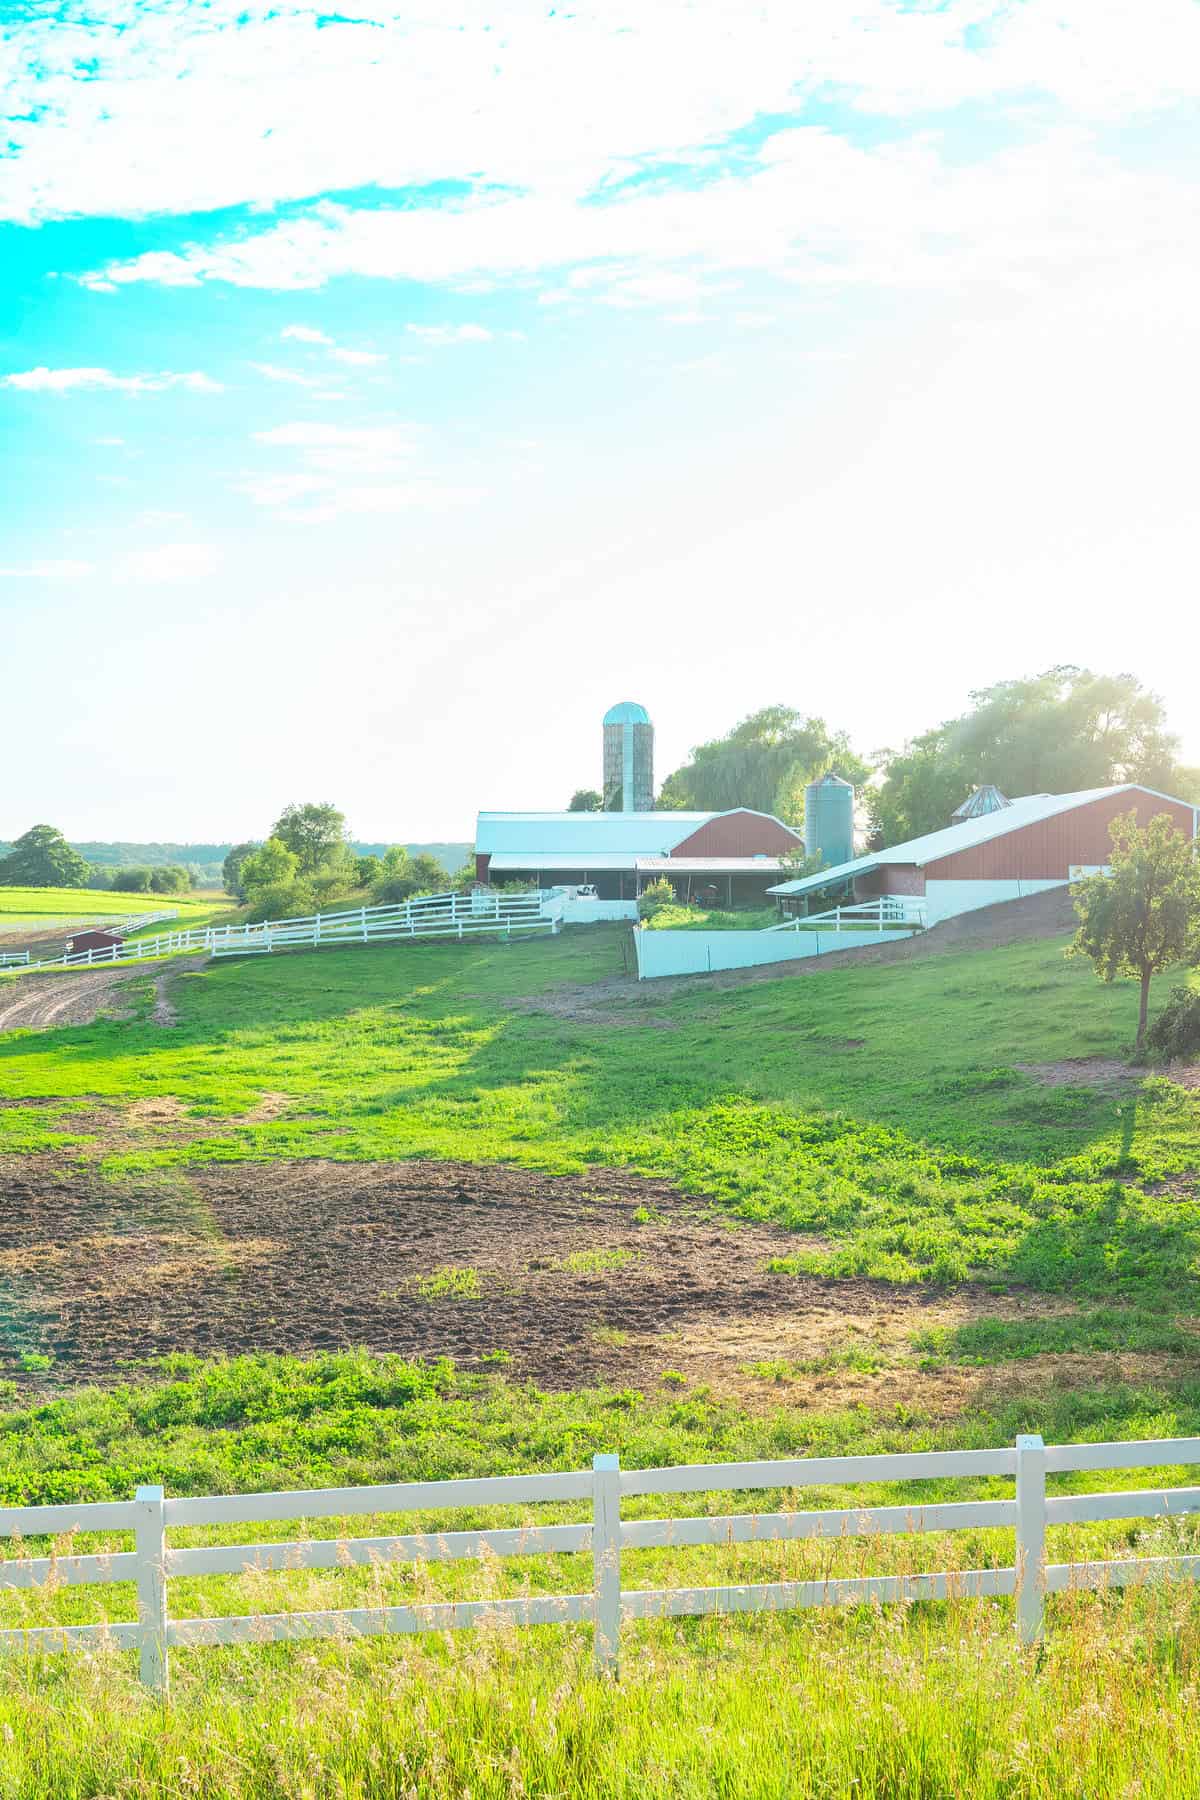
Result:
pixel 729 857
pixel 998 850
pixel 93 940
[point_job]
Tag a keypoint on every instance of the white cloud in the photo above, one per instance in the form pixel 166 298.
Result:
pixel 373 446
pixel 452 334
pixel 248 102
pixel 50 571
pixel 65 381
pixel 814 209
pixel 296 377
pixel 109 443
pixel 305 334
pixel 358 358
pixel 345 469
pixel 169 563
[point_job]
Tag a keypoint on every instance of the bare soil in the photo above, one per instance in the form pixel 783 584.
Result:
pixel 601 1278
pixel 78 996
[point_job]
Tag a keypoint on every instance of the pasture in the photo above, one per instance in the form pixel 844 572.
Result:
pixel 437 1209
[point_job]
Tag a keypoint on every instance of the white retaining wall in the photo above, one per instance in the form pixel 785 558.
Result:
pixel 700 952
pixel 594 912
pixel 946 899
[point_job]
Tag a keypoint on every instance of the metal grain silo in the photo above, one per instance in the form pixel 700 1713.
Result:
pixel 628 758
pixel 829 820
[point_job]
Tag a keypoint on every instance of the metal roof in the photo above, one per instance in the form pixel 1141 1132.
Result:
pixel 591 862
pixel 700 865
pixel 1028 810
pixel 627 712
pixel 538 835
pixel 610 861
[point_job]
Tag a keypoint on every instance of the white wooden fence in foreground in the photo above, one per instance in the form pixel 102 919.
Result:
pixel 152 1561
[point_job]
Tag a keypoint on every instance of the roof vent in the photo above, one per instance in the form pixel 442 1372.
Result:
pixel 987 799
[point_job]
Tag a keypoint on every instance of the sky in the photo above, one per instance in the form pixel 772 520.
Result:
pixel 385 393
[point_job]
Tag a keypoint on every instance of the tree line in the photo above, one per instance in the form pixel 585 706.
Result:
pixel 1062 731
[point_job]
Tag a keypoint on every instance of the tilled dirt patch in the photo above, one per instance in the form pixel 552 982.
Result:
pixel 604 1277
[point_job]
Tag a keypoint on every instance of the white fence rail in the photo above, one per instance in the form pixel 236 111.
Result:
pixel 13 959
pixel 152 1562
pixel 437 915
pixel 875 915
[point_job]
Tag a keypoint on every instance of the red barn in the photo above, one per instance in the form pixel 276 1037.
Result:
pixel 736 853
pixel 93 940
pixel 1017 847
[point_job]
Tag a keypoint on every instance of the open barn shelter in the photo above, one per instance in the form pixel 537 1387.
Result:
pixel 999 849
pixel 731 858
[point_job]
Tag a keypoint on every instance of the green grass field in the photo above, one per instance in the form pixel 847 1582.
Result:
pixel 31 909
pixel 918 1123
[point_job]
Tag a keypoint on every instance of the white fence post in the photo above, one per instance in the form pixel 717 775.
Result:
pixel 606 1562
pixel 151 1550
pixel 1031 1537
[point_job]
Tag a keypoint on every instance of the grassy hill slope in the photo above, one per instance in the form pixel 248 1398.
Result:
pixel 968 1115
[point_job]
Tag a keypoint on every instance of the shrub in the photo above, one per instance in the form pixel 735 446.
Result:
pixel 659 893
pixel 282 900
pixel 1175 1034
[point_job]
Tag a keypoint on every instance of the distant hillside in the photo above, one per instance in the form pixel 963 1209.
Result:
pixel 209 857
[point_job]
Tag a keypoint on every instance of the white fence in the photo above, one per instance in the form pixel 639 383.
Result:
pixel 437 915
pixel 1029 1578
pixel 893 910
pixel 13 959
pixel 697 952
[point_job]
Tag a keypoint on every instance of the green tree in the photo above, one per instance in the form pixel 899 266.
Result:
pixel 586 800
pixel 765 763
pixel 272 865
pixel 1058 732
pixel 403 876
pixel 43 858
pixel 1144 916
pixel 315 834
pixel 231 869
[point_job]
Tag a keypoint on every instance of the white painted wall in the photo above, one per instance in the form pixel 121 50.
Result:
pixel 593 912
pixel 699 952
pixel 946 899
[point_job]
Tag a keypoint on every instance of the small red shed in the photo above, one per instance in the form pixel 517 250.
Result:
pixel 93 940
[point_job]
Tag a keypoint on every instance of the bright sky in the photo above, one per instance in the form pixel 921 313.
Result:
pixel 384 394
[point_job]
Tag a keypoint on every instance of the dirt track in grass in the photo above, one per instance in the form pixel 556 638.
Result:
pixel 77 996
pixel 604 1277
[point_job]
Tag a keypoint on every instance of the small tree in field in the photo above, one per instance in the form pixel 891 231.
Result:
pixel 1145 916
pixel 586 800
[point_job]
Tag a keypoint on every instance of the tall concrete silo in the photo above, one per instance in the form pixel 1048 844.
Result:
pixel 628 758
pixel 829 820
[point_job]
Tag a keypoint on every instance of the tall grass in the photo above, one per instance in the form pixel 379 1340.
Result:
pixel 923 1703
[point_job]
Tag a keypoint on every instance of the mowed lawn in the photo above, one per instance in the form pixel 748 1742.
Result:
pixel 913 1121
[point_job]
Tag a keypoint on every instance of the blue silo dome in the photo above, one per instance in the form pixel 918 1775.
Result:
pixel 627 712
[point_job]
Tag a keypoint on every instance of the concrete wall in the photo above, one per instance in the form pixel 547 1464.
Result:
pixel 946 899
pixel 699 952
pixel 594 912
